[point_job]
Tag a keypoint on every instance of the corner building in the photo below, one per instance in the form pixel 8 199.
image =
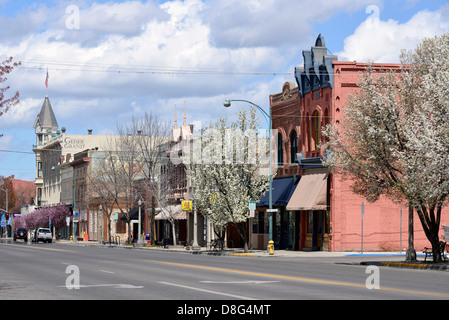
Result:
pixel 322 212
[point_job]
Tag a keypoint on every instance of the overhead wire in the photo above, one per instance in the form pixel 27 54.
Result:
pixel 137 69
pixel 164 70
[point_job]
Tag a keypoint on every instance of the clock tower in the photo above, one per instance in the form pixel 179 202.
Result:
pixel 45 128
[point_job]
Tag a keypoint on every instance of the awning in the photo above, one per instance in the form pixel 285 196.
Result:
pixel 134 214
pixel 282 191
pixel 171 211
pixel 311 192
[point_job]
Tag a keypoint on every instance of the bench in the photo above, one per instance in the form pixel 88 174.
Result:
pixel 428 251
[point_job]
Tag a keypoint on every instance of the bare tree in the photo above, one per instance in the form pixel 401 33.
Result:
pixel 149 133
pixel 115 171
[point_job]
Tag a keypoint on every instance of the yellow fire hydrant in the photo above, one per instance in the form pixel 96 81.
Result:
pixel 270 247
pixel 71 239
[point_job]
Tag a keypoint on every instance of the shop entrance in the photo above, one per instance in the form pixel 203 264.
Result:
pixel 317 235
pixel 286 230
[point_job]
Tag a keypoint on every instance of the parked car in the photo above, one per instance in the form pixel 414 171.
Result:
pixel 42 234
pixel 21 233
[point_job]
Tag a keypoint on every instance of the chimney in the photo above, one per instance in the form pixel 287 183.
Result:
pixel 89 132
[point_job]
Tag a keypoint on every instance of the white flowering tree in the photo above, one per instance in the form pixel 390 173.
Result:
pixel 394 138
pixel 227 173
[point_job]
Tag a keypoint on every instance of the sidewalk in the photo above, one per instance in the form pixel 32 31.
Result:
pixel 240 251
pixel 383 259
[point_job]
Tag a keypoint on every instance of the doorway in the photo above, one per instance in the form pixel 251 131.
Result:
pixel 317 235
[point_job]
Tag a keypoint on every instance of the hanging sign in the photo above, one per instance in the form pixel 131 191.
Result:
pixel 187 206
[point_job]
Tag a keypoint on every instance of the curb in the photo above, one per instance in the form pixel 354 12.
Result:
pixel 409 265
pixel 242 254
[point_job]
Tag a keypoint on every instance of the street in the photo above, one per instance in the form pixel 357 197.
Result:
pixel 69 272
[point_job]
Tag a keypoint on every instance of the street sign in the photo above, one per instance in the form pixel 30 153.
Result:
pixel 252 205
pixel 67 221
pixel 446 233
pixel 213 198
pixel 187 206
pixel 272 210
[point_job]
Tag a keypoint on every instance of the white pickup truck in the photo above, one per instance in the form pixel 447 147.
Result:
pixel 41 234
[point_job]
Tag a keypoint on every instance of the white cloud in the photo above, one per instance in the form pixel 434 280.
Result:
pixel 145 53
pixel 382 41
pixel 272 23
pixel 22 114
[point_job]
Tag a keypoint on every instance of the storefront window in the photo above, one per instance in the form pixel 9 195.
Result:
pixel 309 221
pixel 260 223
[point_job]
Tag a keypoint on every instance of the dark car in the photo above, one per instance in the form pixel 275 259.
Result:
pixel 21 233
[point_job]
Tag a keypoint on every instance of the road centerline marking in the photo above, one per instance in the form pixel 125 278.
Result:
pixel 309 280
pixel 33 247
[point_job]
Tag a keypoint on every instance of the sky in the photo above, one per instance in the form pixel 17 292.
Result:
pixel 109 61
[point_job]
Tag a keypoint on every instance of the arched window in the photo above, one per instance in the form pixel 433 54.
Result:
pixel 280 150
pixel 315 128
pixel 293 146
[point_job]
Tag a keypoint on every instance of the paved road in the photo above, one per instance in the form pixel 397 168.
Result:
pixel 48 271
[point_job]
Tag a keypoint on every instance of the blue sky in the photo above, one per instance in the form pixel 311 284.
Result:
pixel 131 57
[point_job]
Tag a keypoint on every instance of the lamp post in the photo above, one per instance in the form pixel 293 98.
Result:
pixel 140 238
pixel 227 104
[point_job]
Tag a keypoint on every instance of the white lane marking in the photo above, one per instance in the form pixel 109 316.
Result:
pixel 207 291
pixel 117 286
pixel 106 271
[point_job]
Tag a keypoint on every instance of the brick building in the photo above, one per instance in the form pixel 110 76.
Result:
pixel 321 212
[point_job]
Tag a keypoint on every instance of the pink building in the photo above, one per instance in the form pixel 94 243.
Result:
pixel 322 213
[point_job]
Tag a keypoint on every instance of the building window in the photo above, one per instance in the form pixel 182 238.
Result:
pixel 293 146
pixel 39 196
pixel 280 150
pixel 39 169
pixel 315 127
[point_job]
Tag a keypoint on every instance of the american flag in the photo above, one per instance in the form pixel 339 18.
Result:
pixel 46 80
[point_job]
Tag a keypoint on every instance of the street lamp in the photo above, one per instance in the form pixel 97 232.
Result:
pixel 140 238
pixel 227 104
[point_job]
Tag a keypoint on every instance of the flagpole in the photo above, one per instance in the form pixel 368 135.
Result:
pixel 46 85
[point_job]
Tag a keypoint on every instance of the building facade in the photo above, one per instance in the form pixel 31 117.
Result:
pixel 330 215
pixel 53 148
